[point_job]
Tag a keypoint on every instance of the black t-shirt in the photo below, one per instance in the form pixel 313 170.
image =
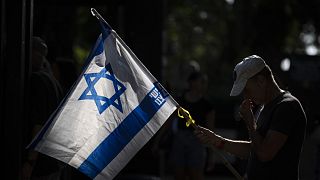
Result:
pixel 286 115
pixel 198 110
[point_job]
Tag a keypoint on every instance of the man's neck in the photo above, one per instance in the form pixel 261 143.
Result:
pixel 275 91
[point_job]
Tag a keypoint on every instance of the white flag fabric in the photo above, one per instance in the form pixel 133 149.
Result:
pixel 114 109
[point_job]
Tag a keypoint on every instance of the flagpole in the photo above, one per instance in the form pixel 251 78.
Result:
pixel 95 13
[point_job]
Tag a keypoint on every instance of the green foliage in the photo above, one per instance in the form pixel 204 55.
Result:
pixel 198 32
pixel 218 35
pixel 86 37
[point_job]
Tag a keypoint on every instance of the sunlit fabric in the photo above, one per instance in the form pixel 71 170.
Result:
pixel 114 109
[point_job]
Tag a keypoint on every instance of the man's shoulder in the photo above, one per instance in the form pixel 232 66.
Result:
pixel 289 99
pixel 287 96
pixel 290 105
pixel 41 76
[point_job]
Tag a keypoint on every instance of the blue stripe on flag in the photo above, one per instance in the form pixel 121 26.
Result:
pixel 123 134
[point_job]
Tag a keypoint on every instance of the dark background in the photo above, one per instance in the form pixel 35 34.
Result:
pixel 166 36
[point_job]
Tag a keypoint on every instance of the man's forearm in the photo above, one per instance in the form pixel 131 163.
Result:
pixel 256 139
pixel 238 148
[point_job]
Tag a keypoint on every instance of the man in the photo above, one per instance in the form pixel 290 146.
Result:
pixel 276 130
pixel 45 94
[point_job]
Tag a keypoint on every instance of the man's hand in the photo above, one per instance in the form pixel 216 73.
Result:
pixel 246 114
pixel 206 136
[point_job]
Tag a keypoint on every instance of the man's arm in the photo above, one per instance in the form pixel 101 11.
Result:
pixel 265 147
pixel 235 147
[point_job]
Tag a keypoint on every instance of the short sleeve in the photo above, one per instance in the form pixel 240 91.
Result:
pixel 284 118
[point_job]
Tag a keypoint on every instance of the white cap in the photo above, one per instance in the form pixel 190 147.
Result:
pixel 244 70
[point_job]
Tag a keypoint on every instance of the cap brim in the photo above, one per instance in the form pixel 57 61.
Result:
pixel 238 87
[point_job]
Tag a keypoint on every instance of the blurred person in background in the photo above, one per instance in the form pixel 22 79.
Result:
pixel 45 94
pixel 188 156
pixel 65 71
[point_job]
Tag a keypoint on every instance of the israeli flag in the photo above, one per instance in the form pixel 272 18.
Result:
pixel 113 110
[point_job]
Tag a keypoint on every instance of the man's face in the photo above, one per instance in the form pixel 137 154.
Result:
pixel 254 90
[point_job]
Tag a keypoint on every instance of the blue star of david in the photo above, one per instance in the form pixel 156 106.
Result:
pixel 103 102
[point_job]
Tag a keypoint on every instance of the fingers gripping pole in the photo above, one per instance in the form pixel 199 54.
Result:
pixel 182 113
